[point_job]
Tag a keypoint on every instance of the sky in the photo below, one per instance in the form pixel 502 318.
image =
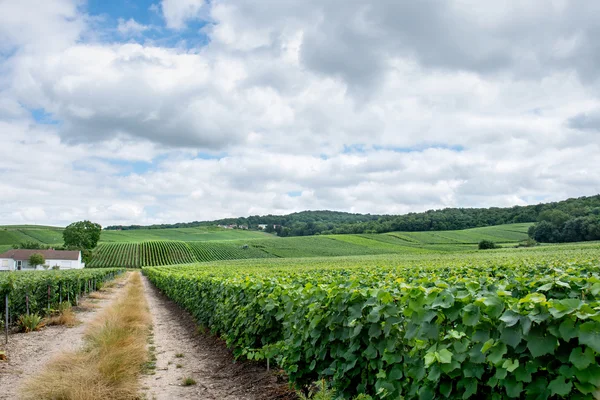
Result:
pixel 164 111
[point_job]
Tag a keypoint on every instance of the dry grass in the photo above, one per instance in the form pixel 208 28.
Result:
pixel 86 305
pixel 98 296
pixel 65 317
pixel 114 354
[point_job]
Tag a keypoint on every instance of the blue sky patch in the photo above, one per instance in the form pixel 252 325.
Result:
pixel 295 193
pixel 42 117
pixel 420 148
pixel 148 13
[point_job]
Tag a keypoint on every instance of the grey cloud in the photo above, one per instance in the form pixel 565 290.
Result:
pixel 585 121
pixel 357 40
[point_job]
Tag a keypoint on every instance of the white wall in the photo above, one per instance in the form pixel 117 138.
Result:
pixel 66 264
pixel 7 264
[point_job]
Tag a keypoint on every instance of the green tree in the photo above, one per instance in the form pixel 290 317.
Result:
pixel 82 235
pixel 487 244
pixel 36 259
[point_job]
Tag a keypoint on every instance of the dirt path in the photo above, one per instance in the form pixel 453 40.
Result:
pixel 181 352
pixel 28 353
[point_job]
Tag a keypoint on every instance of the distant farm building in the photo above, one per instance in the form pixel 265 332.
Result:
pixel 18 260
pixel 230 226
pixel 262 226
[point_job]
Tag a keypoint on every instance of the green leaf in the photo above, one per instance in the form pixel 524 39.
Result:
pixel 539 344
pixel 496 353
pixel 445 357
pixel 510 318
pixel 470 387
pixel 429 359
pixel 370 352
pixel 471 314
pixel 581 359
pixel 589 334
pixel 512 336
pixel 445 299
pixel 585 388
pixel 510 365
pixel 487 345
pixel 374 315
pixel 546 287
pixel 513 388
pixel 446 389
pixel 589 375
pixel 560 386
pixel 374 331
pixel 396 373
pixel 567 329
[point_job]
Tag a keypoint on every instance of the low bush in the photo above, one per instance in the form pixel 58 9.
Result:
pixel 487 245
pixel 30 323
pixel 63 316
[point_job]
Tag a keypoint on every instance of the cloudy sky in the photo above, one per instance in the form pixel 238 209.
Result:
pixel 151 111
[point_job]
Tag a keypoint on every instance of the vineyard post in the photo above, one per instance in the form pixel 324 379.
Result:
pixel 27 301
pixel 6 318
pixel 48 297
pixel 69 293
pixel 59 292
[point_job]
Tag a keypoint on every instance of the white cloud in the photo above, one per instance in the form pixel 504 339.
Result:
pixel 178 12
pixel 131 27
pixel 345 106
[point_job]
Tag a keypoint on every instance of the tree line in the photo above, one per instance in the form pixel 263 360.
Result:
pixel 580 213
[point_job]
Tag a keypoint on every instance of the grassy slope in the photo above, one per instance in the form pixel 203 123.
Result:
pixel 181 234
pixel 500 234
pixel 165 253
pixel 13 234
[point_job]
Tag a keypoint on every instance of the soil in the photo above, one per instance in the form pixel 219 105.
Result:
pixel 183 352
pixel 28 353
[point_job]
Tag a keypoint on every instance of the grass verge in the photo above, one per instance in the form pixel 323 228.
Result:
pixel 113 356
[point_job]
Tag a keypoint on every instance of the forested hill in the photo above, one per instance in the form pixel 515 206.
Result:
pixel 314 222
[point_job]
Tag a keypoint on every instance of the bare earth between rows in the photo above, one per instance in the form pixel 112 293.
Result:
pixel 180 351
pixel 28 353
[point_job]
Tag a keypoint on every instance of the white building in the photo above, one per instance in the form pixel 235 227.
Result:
pixel 18 259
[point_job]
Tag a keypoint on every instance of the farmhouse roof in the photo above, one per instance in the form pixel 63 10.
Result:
pixel 23 254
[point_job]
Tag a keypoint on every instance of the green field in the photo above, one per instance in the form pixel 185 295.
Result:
pixel 14 234
pixel 170 252
pixel 505 323
pixel 180 234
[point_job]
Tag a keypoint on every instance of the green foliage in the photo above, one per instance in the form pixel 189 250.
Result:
pixel 487 245
pixel 187 381
pixel 30 323
pixel 82 235
pixel 38 285
pixel 524 323
pixel 36 259
pixel 330 222
pixel 32 245
pixel 318 391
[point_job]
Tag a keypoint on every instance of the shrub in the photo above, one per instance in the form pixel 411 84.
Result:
pixel 63 316
pixel 528 243
pixel 188 381
pixel 487 244
pixel 31 322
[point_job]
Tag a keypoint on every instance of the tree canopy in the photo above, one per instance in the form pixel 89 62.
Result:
pixel 36 259
pixel 307 223
pixel 82 235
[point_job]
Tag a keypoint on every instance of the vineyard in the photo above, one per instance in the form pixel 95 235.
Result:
pixel 506 324
pixel 135 255
pixel 34 291
pixel 171 252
